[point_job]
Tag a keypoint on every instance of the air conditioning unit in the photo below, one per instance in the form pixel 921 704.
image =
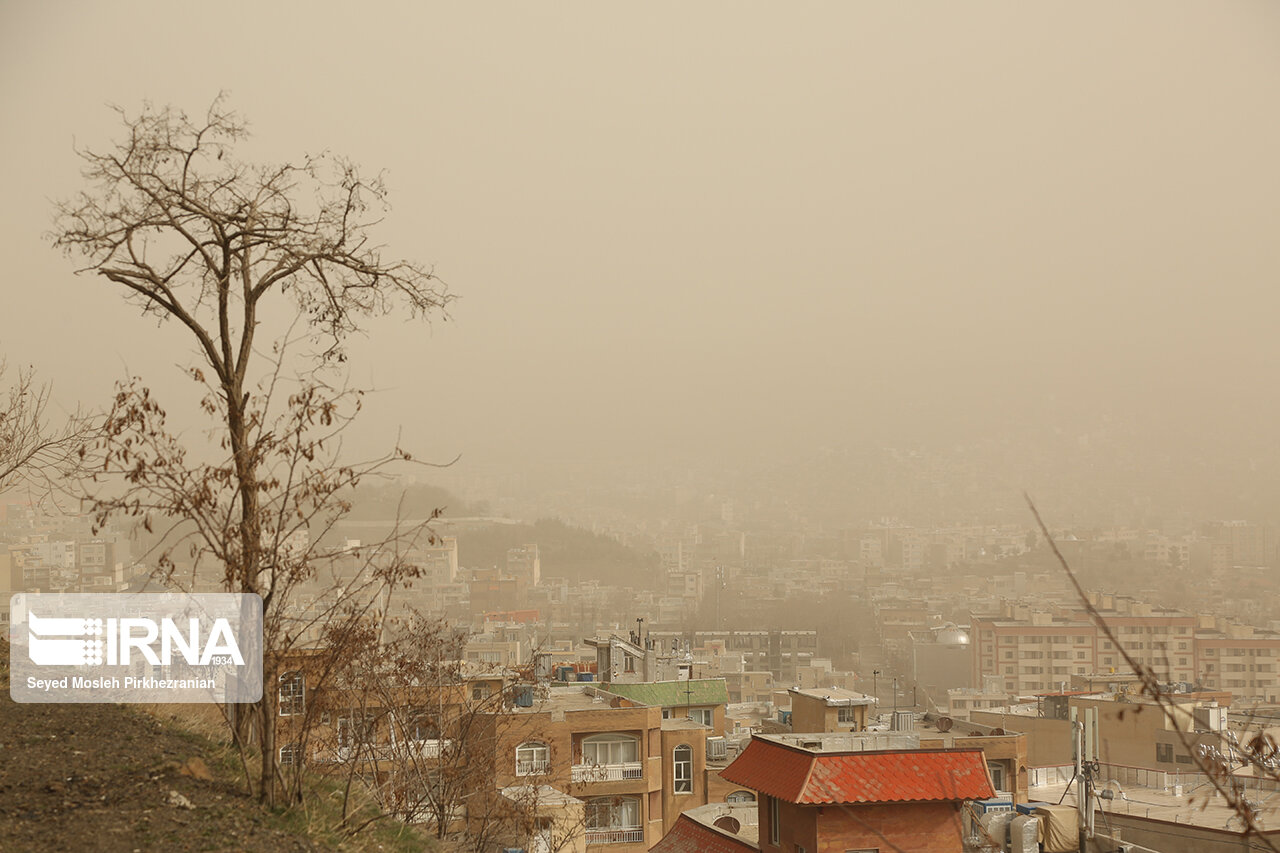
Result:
pixel 717 749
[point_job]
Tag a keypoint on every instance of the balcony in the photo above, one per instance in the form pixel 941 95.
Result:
pixel 428 748
pixel 534 767
pixel 630 835
pixel 608 773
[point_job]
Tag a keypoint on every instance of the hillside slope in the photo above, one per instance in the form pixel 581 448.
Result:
pixel 100 777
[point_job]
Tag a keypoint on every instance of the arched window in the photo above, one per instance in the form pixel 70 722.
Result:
pixel 532 759
pixel 740 797
pixel 293 693
pixel 614 820
pixel 682 761
pixel 729 824
pixel 610 749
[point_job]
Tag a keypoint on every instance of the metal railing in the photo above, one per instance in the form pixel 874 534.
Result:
pixel 533 767
pixel 608 772
pixel 632 835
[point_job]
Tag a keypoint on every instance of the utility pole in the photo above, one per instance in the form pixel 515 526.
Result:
pixel 875 690
pixel 895 694
pixel 1083 735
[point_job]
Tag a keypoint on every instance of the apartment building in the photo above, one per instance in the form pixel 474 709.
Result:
pixel 1033 656
pixel 1238 658
pixel 635 769
pixel 1043 651
pixel 631 760
pixel 829 710
pixel 781 653
pixel 524 562
pixel 962 701
pixel 1133 735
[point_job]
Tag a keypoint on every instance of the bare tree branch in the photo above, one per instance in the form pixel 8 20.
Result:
pixel 191 234
pixel 34 450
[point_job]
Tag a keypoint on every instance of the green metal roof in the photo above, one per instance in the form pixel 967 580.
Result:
pixel 668 694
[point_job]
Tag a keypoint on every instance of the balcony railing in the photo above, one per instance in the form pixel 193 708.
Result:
pixel 633 835
pixel 428 747
pixel 608 772
pixel 533 767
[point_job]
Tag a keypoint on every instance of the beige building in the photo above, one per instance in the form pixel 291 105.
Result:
pixel 634 771
pixel 1045 651
pixel 1133 734
pixel 829 709
pixel 523 562
pixel 1241 659
pixel 1040 653
pixel 962 701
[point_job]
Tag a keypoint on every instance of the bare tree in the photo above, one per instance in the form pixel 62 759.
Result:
pixel 226 249
pixel 34 449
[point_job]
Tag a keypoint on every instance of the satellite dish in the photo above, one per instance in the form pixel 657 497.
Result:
pixel 945 724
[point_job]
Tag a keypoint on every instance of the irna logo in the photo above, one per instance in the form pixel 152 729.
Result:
pixel 63 641
pixel 135 647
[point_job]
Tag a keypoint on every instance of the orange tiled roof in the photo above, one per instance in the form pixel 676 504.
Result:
pixel 809 777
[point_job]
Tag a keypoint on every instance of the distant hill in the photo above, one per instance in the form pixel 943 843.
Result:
pixel 386 502
pixel 565 551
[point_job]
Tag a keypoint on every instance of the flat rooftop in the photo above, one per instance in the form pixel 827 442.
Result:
pixel 847 741
pixel 745 814
pixel 834 696
pixel 567 699
pixel 1197 805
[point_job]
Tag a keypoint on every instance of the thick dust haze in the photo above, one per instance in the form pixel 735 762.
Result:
pixel 981 247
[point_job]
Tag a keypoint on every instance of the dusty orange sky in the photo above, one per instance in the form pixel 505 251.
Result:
pixel 723 226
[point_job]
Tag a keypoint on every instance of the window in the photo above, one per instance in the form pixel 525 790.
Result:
pixel 290 755
pixel 422 727
pixel 997 775
pixel 479 691
pixel 293 689
pixel 1164 752
pixel 847 714
pixel 740 797
pixel 701 715
pixel 614 820
pixel 532 759
pixel 353 730
pixel 683 763
pixel 610 749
